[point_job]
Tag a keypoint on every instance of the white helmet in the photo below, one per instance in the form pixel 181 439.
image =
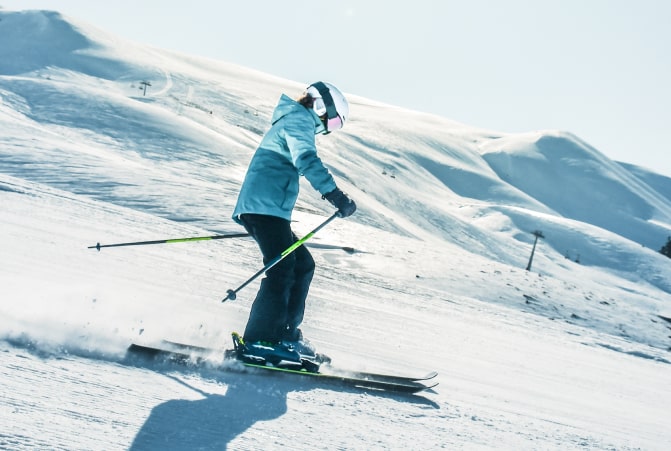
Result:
pixel 329 101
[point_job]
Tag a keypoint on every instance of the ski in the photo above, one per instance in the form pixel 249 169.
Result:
pixel 321 358
pixel 196 355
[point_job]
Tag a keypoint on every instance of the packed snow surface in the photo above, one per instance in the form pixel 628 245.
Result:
pixel 429 274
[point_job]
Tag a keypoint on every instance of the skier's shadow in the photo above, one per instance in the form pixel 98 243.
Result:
pixel 211 422
pixel 215 420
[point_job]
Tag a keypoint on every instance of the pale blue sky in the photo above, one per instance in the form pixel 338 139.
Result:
pixel 598 68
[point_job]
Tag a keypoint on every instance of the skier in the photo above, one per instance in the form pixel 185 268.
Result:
pixel 265 203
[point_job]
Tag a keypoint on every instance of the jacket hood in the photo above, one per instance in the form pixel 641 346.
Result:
pixel 287 105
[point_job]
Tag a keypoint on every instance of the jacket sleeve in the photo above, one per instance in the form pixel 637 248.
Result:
pixel 300 139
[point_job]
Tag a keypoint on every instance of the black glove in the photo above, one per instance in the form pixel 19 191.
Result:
pixel 346 206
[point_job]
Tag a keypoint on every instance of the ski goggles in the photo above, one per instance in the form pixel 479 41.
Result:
pixel 324 105
pixel 332 124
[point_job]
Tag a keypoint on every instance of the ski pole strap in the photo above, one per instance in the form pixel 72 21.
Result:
pixel 232 294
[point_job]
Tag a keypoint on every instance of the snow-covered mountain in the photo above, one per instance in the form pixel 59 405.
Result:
pixel 105 140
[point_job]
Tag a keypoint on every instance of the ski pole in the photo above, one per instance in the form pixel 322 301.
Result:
pixel 232 294
pixel 174 240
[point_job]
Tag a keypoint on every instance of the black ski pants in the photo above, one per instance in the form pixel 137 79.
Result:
pixel 279 306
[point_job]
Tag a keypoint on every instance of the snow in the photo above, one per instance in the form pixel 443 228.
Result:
pixel 570 355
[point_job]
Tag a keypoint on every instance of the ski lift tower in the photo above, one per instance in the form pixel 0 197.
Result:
pixel 537 234
pixel 144 87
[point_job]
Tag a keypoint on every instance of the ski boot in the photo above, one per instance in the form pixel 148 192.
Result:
pixel 307 350
pixel 265 353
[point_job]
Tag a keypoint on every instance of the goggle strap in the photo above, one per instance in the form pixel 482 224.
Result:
pixel 331 111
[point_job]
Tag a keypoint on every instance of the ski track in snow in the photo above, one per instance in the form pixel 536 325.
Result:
pixel 114 406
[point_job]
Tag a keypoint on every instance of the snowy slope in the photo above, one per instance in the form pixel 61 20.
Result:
pixel 569 355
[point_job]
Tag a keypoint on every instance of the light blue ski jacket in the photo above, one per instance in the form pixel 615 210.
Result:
pixel 286 151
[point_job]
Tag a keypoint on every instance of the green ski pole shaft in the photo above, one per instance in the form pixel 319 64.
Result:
pixel 173 240
pixel 232 294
